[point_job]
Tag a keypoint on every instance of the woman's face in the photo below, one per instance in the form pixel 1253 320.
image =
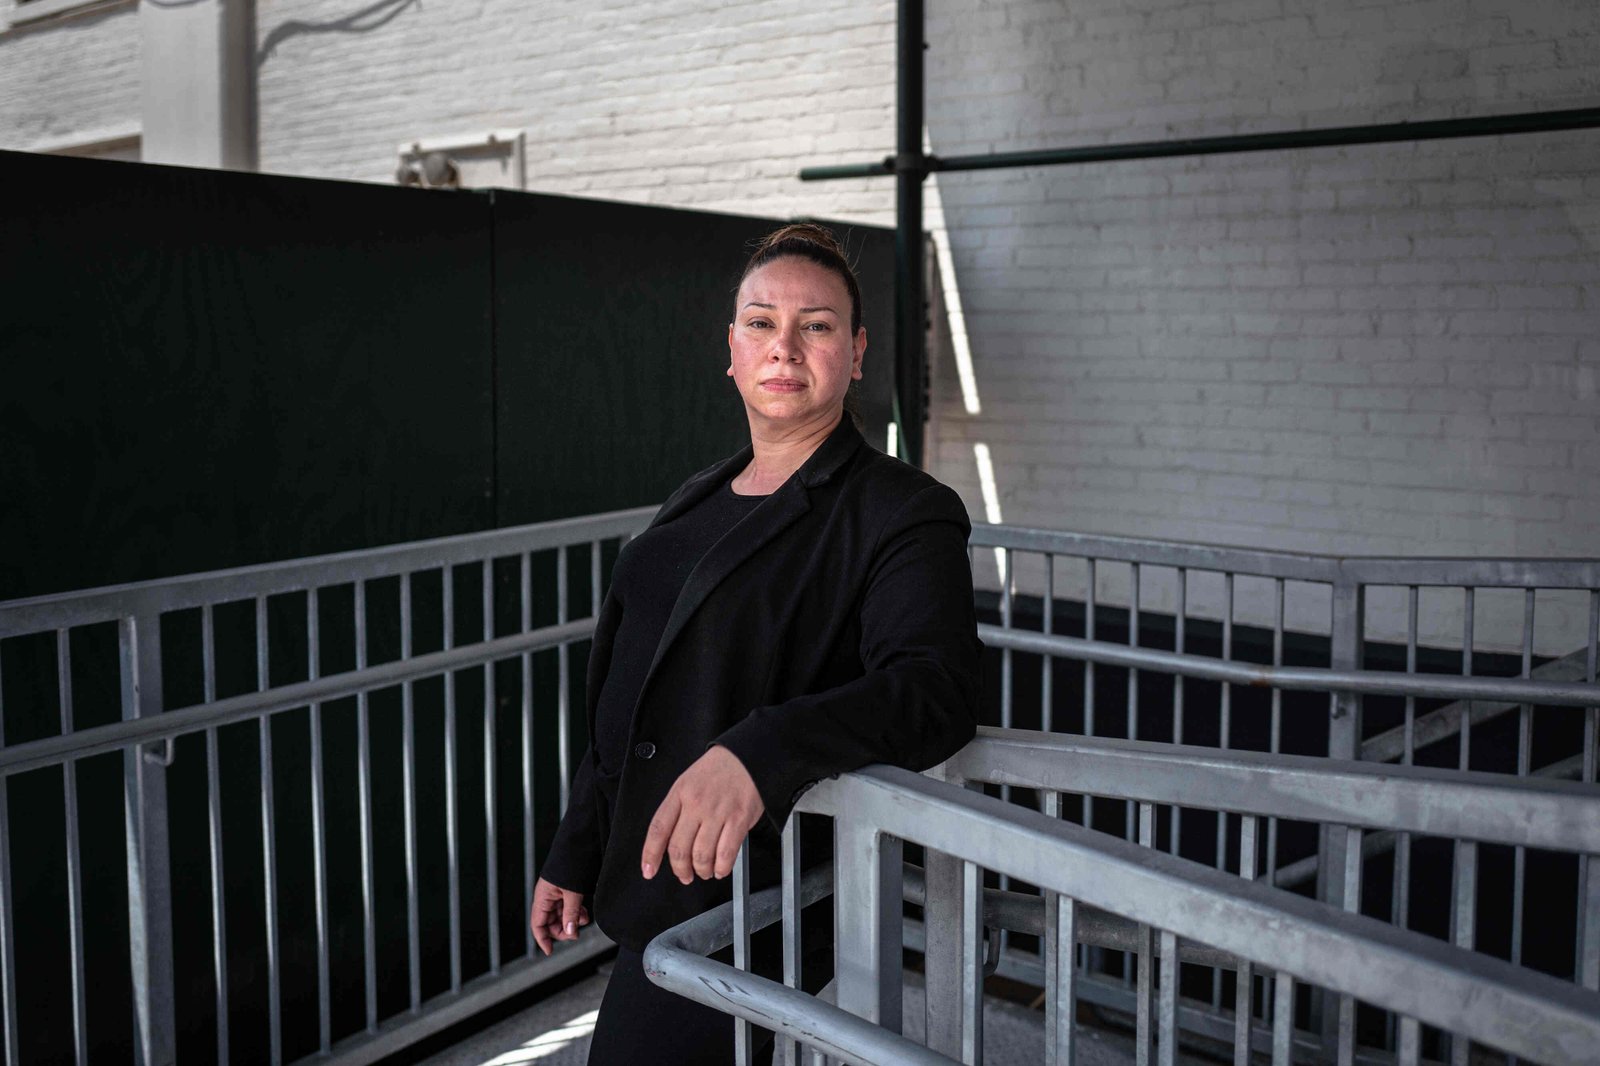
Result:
pixel 790 348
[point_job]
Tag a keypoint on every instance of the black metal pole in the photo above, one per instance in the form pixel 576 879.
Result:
pixel 910 354
pixel 1439 129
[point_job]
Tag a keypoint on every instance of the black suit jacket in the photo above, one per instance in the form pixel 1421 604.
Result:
pixel 832 628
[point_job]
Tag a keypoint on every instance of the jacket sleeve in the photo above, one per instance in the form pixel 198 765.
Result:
pixel 916 704
pixel 574 859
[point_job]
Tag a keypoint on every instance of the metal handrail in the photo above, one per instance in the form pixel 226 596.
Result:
pixel 1425 980
pixel 1464 805
pixel 1316 678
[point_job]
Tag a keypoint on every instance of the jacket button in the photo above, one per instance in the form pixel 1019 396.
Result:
pixel 644 750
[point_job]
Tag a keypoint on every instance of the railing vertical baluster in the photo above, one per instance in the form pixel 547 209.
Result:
pixel 215 826
pixel 1146 954
pixel 971 964
pixel 1060 939
pixel 1410 1045
pixel 526 623
pixel 787 1048
pixel 1465 754
pixel 1244 986
pixel 1524 766
pixel 144 783
pixel 364 785
pixel 1282 1019
pixel 269 844
pixel 1093 957
pixel 452 843
pixel 1168 1037
pixel 491 832
pixel 69 788
pixel 743 1033
pixel 1588 947
pixel 1046 671
pixel 1463 921
pixel 8 956
pixel 1400 900
pixel 945 951
pixel 408 788
pixel 1347 627
pixel 1352 903
pixel 1275 742
pixel 319 840
pixel 1007 607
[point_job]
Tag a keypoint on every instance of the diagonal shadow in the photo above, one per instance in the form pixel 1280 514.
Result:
pixel 369 18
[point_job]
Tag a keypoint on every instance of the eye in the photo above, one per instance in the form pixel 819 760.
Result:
pixel 758 323
pixel 818 327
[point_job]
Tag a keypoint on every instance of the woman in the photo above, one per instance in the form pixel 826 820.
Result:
pixel 801 609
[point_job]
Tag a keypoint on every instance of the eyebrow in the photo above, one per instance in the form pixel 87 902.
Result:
pixel 803 310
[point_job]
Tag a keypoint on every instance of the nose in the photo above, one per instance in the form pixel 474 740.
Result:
pixel 786 346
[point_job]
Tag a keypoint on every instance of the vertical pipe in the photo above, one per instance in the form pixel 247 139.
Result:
pixel 1524 765
pixel 69 786
pixel 1168 1037
pixel 491 834
pixel 563 683
pixel 364 785
pixel 1277 724
pixel 910 170
pixel 219 928
pixel 8 955
pixel 1463 922
pixel 408 788
pixel 1588 947
pixel 1146 952
pixel 1352 903
pixel 144 808
pixel 319 840
pixel 787 1048
pixel 1465 754
pixel 526 623
pixel 1060 939
pixel 1244 987
pixel 1410 1050
pixel 1282 1019
pixel 1046 671
pixel 971 964
pixel 743 1033
pixel 269 845
pixel 452 845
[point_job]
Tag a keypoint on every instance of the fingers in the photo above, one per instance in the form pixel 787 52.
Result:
pixel 539 918
pixel 703 852
pixel 661 828
pixel 728 845
pixel 571 903
pixel 680 849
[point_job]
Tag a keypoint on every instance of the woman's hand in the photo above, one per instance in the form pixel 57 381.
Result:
pixel 703 821
pixel 557 914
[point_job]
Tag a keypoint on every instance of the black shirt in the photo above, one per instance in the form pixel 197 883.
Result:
pixel 649 575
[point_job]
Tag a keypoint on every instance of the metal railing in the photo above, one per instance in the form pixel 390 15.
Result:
pixel 362 614
pixel 1333 613
pixel 1098 888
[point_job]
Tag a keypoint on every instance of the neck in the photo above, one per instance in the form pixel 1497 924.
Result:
pixel 781 450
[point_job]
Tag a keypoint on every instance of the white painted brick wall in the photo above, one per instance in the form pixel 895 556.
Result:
pixel 75 77
pixel 1370 349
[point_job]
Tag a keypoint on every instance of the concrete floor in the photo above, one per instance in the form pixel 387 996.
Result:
pixel 555 1032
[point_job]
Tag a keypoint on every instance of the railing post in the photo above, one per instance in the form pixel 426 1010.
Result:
pixel 941 926
pixel 144 782
pixel 869 932
pixel 1344 742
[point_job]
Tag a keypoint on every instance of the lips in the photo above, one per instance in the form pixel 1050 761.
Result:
pixel 783 384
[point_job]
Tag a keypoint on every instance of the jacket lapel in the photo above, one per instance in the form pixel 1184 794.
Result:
pixel 770 517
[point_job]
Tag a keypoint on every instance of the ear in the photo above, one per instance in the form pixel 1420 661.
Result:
pixel 860 346
pixel 730 349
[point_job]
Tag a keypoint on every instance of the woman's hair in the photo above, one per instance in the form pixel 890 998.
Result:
pixel 807 240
